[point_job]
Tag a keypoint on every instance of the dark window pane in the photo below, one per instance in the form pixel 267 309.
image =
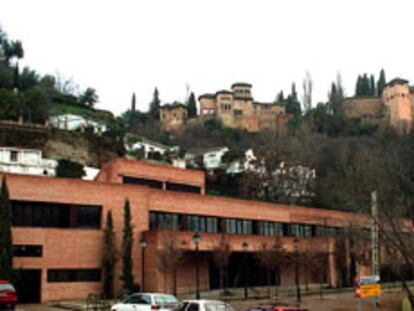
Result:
pixel 183 188
pixel 152 183
pixel 27 250
pixel 74 275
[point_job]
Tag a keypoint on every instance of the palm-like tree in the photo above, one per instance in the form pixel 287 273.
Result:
pixel 89 97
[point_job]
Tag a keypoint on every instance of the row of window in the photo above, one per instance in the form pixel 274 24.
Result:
pixel 55 215
pixel 181 222
pixel 27 250
pixel 73 275
pixel 152 183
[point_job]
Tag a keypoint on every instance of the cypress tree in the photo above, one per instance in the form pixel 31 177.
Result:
pixel 365 88
pixel 154 109
pixel 372 86
pixel 127 244
pixel 381 82
pixel 358 89
pixel 6 246
pixel 192 106
pixel 292 103
pixel 280 98
pixel 16 77
pixel 133 106
pixel 109 257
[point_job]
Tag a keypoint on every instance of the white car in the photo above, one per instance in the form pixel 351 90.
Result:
pixel 204 305
pixel 147 302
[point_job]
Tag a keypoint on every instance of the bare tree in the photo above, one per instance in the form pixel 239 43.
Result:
pixel 221 255
pixel 168 257
pixel 272 256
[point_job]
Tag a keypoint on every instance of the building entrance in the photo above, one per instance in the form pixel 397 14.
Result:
pixel 238 268
pixel 28 286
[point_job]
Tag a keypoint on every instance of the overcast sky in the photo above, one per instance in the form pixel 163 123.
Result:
pixel 121 47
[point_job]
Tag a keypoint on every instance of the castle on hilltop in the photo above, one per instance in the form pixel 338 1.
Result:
pixel 394 108
pixel 234 109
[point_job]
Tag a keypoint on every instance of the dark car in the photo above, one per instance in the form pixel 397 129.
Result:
pixel 8 295
pixel 276 308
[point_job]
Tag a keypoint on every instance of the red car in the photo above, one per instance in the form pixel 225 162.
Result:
pixel 276 308
pixel 8 296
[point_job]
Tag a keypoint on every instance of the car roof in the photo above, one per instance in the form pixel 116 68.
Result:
pixel 204 300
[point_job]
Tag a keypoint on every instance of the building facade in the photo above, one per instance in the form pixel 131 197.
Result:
pixel 237 109
pixel 58 231
pixel 74 122
pixel 173 116
pixel 26 161
pixel 394 108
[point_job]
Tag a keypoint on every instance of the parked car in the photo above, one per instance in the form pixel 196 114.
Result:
pixel 204 305
pixel 276 308
pixel 147 302
pixel 8 295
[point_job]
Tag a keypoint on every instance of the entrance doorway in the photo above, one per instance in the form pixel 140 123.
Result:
pixel 28 285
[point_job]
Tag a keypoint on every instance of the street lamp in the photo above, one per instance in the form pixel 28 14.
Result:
pixel 196 240
pixel 143 244
pixel 245 247
pixel 297 270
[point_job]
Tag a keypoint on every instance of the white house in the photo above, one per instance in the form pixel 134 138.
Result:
pixel 211 158
pixel 149 146
pixel 26 161
pixel 74 122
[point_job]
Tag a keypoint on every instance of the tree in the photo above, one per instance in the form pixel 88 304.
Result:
pixel 28 78
pixel 37 105
pixel 307 92
pixel 127 244
pixel 109 257
pixel 6 246
pixel 11 105
pixel 192 106
pixel 168 258
pixel 154 108
pixel 292 103
pixel 381 82
pixel 133 102
pixel 12 49
pixel 272 256
pixel 280 98
pixel 89 97
pixel 336 97
pixel 221 256
pixel 372 87
pixel 69 169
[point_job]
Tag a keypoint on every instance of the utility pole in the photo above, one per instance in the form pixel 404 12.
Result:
pixel 374 234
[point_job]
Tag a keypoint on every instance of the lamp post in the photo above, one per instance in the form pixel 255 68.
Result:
pixel 143 244
pixel 297 270
pixel 245 247
pixel 196 240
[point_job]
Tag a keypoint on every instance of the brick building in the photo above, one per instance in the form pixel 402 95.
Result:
pixel 237 109
pixel 58 224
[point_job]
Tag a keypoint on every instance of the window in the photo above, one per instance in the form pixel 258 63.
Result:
pixel 73 275
pixel 139 299
pixel 55 215
pixel 152 183
pixel 183 188
pixel 193 307
pixel 13 156
pixel 27 250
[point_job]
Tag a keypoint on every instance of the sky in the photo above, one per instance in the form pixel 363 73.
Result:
pixel 125 46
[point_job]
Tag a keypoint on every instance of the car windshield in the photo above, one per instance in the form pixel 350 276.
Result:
pixel 163 300
pixel 216 306
pixel 6 287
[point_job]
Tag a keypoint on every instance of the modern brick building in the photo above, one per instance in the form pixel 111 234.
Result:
pixel 58 230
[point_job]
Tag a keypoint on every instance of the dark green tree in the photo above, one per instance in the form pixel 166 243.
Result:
pixel 358 90
pixel 372 87
pixel 28 78
pixel 192 106
pixel 127 244
pixel 16 77
pixel 280 98
pixel 36 105
pixel 292 102
pixel 89 97
pixel 365 86
pixel 109 257
pixel 6 246
pixel 154 108
pixel 133 102
pixel 336 97
pixel 381 82
pixel 12 49
pixel 69 169
pixel 11 105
